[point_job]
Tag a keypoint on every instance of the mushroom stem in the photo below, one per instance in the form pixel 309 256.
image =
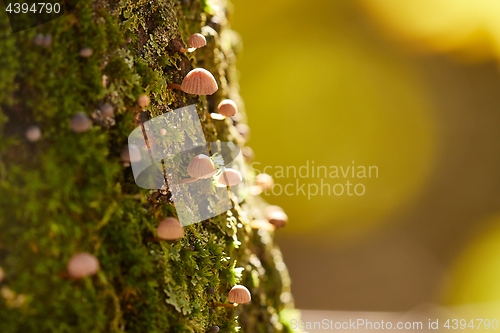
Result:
pixel 174 86
pixel 188 50
pixel 233 305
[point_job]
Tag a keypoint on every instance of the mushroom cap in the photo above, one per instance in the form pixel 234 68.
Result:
pixel 2 274
pixel 244 131
pixel 80 122
pixel 239 294
pixel 131 153
pixel 143 100
pixel 33 133
pixel 107 110
pixel 230 177
pixel 248 153
pixel 265 181
pixel 262 224
pixel 197 40
pixel 201 167
pixel 277 218
pixel 86 52
pixel 82 265
pixel 39 39
pixel 170 229
pixel 227 108
pixel 47 40
pixel 199 82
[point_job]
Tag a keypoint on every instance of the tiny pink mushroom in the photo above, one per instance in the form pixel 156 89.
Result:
pixel 143 100
pixel 227 108
pixel 82 265
pixel 197 41
pixel 170 229
pixel 230 177
pixel 199 81
pixel 239 294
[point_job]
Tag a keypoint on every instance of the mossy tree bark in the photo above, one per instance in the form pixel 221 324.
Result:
pixel 69 192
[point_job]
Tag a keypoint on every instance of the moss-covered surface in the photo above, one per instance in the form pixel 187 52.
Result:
pixel 69 192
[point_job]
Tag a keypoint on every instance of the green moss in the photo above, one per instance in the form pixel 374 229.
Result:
pixel 70 192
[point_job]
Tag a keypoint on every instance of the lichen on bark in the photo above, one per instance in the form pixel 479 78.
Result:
pixel 69 192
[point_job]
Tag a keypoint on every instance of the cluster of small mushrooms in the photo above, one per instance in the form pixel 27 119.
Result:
pixel 198 81
pixel 202 167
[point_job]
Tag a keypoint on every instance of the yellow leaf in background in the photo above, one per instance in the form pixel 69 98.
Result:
pixel 475 275
pixel 317 92
pixel 469 28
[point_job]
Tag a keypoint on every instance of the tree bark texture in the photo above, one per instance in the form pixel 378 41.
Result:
pixel 70 192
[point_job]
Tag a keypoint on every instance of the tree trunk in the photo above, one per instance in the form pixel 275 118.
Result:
pixel 69 190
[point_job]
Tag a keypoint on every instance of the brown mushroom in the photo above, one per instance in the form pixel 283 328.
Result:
pixel 33 133
pixel 244 131
pixel 261 224
pixel 107 110
pixel 227 108
pixel 82 265
pixel 199 81
pixel 86 52
pixel 131 154
pixel 201 167
pixel 239 294
pixel 143 100
pixel 230 177
pixel 170 229
pixel 248 153
pixel 264 181
pixel 278 218
pixel 80 123
pixel 197 41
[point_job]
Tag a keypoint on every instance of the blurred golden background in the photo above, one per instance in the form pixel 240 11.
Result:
pixel 410 87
